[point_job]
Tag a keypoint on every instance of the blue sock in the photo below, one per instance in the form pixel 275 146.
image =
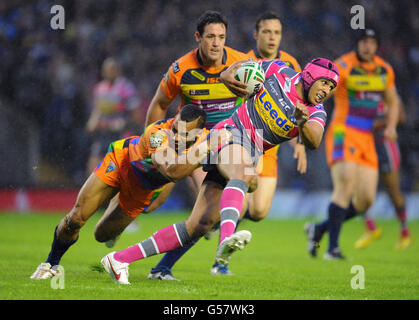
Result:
pixel 58 248
pixel 336 217
pixel 320 229
pixel 171 257
pixel 351 212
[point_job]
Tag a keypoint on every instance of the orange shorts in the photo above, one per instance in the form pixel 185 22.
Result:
pixel 268 163
pixel 347 144
pixel 116 171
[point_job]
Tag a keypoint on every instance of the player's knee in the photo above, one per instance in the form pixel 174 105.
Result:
pixel 251 179
pixel 204 225
pixel 258 214
pixel 364 203
pixel 252 183
pixel 72 222
pixel 100 235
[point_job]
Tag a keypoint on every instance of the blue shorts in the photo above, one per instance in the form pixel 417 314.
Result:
pixel 388 154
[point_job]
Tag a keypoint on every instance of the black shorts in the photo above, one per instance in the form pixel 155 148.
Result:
pixel 214 175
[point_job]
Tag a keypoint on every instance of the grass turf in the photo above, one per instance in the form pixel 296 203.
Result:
pixel 274 266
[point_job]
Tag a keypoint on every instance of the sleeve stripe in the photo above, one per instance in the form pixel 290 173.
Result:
pixel 317 120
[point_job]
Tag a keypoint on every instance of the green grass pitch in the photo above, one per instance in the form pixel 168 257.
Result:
pixel 274 266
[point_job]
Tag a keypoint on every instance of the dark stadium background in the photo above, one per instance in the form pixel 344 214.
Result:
pixel 46 76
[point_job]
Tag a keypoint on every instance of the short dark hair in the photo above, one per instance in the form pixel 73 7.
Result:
pixel 191 112
pixel 210 17
pixel 268 15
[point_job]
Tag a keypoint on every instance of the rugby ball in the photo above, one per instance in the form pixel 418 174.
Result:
pixel 252 74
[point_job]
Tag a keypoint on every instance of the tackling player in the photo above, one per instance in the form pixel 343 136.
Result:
pixel 366 82
pixel 287 106
pixel 132 174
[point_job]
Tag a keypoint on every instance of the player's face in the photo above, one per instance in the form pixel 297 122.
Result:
pixel 367 48
pixel 186 133
pixel 211 42
pixel 320 91
pixel 110 70
pixel 268 38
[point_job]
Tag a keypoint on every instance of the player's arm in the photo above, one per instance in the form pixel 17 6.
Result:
pixel 162 197
pixel 158 107
pixel 391 100
pixel 402 112
pixel 178 166
pixel 311 132
pixel 93 121
pixel 300 155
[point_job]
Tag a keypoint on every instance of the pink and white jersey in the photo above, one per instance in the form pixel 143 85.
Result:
pixel 113 100
pixel 267 118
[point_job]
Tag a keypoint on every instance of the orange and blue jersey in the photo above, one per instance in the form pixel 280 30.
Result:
pixel 128 166
pixel 360 90
pixel 199 85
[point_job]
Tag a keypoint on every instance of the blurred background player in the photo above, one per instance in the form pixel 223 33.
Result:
pixel 114 101
pixel 131 178
pixel 196 78
pixel 366 82
pixel 113 115
pixel 389 165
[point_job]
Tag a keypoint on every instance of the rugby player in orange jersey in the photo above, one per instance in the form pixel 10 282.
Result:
pixel 366 82
pixel 389 166
pixel 132 174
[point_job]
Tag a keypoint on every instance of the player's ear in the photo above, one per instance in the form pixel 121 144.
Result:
pixel 255 34
pixel 197 36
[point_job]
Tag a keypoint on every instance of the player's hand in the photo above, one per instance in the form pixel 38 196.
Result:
pixel 227 77
pixel 218 138
pixel 301 113
pixel 390 133
pixel 301 156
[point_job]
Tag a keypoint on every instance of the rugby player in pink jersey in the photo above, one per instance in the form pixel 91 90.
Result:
pixel 288 105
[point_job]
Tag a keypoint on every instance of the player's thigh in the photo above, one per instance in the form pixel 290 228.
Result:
pixel 391 180
pixel 235 162
pixel 113 222
pixel 93 194
pixel 344 181
pixel 260 201
pixel 205 212
pixel 366 188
